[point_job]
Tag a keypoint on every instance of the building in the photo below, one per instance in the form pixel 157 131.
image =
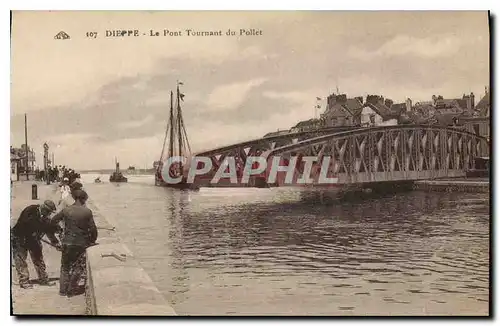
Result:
pixel 483 106
pixel 342 111
pixel 306 125
pixel 447 119
pixel 23 163
pixel 480 122
pixel 465 104
pixel 424 109
pixel 14 166
pixel 378 111
pixel 400 108
pixel 277 133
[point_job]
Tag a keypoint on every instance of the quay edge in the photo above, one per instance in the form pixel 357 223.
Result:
pixel 457 185
pixel 119 287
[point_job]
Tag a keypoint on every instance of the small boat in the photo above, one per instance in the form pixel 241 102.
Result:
pixel 98 180
pixel 117 176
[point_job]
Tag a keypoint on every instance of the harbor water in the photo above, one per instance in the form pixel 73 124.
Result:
pixel 276 252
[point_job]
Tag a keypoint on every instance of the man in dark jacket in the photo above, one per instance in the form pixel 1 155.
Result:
pixel 79 233
pixel 32 225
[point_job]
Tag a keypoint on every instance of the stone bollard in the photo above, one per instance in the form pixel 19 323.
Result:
pixel 34 191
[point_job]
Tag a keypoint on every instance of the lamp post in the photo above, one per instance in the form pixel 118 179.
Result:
pixel 26 145
pixel 45 162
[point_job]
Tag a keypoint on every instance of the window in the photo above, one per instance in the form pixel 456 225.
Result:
pixel 372 118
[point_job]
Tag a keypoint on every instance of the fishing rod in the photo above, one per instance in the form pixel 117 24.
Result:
pixel 109 229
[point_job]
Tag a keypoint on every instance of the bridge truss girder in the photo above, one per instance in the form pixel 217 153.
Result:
pixel 359 156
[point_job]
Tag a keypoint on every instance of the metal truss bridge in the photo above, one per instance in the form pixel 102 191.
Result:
pixel 358 157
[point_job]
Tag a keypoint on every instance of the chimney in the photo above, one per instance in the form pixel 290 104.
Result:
pixel 372 99
pixel 331 100
pixel 472 101
pixel 380 101
pixel 341 98
pixel 408 105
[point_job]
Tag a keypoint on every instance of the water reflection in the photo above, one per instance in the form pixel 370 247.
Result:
pixel 175 202
pixel 245 251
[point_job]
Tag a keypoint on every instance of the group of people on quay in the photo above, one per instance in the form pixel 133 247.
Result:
pixel 77 232
pixel 56 174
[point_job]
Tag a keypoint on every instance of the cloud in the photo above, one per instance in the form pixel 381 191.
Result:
pixel 70 138
pixel 129 151
pixel 80 67
pixel 295 96
pixel 136 123
pixel 405 45
pixel 229 96
pixel 213 134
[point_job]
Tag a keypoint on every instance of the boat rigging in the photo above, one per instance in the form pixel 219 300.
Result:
pixel 175 143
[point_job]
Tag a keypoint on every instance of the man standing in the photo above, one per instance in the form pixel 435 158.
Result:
pixel 67 198
pixel 32 225
pixel 75 185
pixel 79 233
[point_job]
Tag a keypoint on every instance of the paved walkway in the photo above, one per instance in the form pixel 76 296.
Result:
pixel 40 299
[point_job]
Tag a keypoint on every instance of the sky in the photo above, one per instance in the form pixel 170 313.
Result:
pixel 94 99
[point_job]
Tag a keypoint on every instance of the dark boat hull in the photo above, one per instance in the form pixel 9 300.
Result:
pixel 181 185
pixel 118 180
pixel 117 177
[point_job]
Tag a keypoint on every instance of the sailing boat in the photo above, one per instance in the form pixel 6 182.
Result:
pixel 176 143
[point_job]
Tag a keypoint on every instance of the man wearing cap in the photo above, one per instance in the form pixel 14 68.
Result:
pixel 31 226
pixel 75 185
pixel 80 232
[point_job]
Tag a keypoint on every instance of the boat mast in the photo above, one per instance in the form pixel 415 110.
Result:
pixel 183 138
pixel 179 117
pixel 171 147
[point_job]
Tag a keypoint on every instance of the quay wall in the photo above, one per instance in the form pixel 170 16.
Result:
pixel 481 186
pixel 116 283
